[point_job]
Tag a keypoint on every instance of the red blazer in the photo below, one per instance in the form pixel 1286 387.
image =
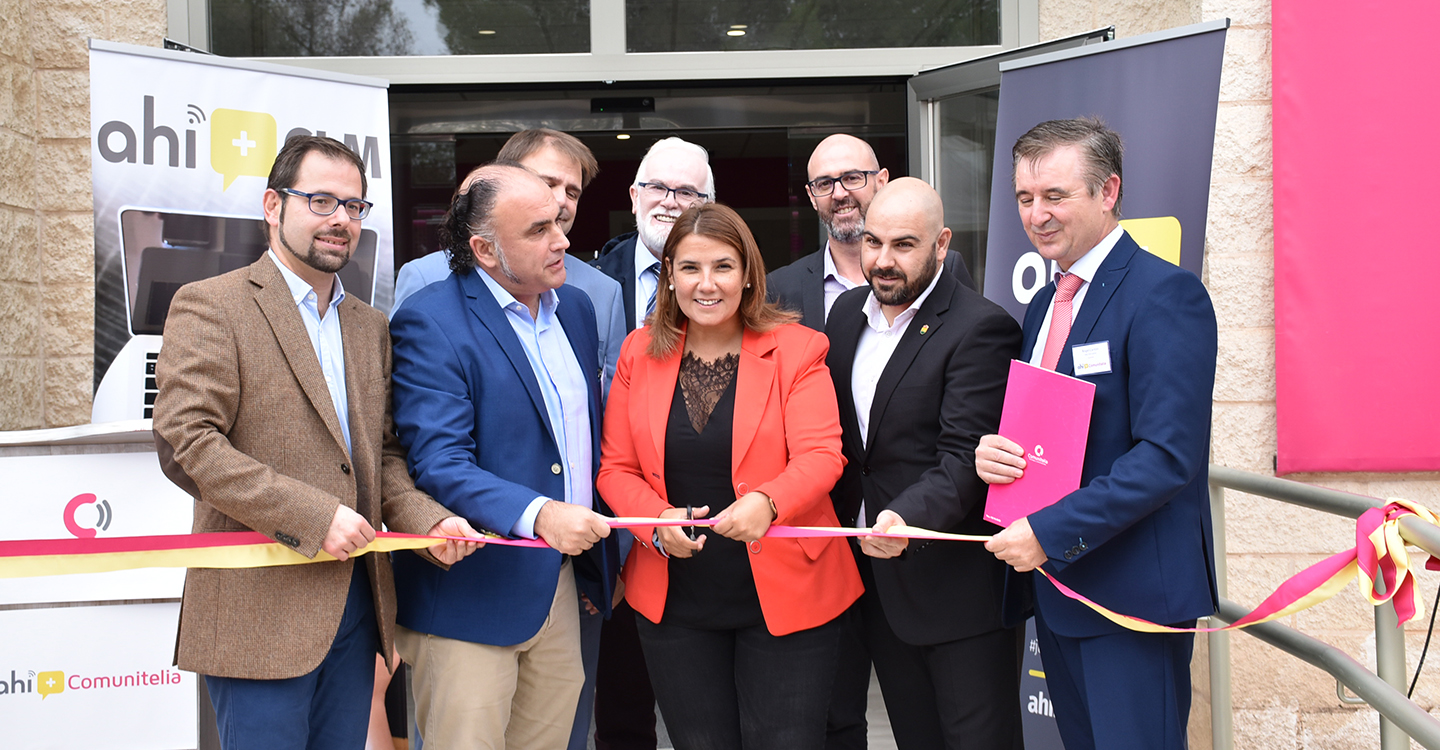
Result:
pixel 786 445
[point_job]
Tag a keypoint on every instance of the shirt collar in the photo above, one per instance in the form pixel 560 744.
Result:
pixel 876 316
pixel 643 257
pixel 1089 263
pixel 548 299
pixel 299 288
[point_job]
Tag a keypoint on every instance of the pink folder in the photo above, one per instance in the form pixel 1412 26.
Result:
pixel 1049 415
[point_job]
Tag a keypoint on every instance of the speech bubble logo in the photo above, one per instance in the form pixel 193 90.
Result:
pixel 49 683
pixel 1159 235
pixel 241 143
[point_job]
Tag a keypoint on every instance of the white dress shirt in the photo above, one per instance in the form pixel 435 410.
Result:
pixel 324 338
pixel 645 284
pixel 565 390
pixel 1085 268
pixel 835 283
pixel 877 344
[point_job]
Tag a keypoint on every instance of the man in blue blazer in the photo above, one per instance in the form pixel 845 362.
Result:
pixel 1136 537
pixel 567 166
pixel 497 396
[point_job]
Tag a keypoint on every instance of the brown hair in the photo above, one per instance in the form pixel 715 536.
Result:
pixel 527 142
pixel 1100 148
pixel 286 168
pixel 717 222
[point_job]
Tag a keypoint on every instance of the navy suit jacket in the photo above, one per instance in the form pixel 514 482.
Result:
pixel 1136 537
pixel 617 260
pixel 470 412
pixel 800 286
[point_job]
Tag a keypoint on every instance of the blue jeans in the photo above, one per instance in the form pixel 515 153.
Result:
pixel 327 709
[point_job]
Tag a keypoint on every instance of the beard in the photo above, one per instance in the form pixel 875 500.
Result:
pixel 313 256
pixel 847 230
pixel 504 264
pixel 909 289
pixel 653 238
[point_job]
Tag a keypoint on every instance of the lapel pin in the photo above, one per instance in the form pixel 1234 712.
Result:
pixel 924 329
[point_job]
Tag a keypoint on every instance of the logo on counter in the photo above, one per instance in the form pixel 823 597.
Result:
pixel 102 522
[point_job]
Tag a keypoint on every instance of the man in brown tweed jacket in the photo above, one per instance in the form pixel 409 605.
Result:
pixel 274 412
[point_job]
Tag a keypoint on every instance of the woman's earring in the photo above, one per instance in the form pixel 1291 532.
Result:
pixel 672 287
pixel 747 285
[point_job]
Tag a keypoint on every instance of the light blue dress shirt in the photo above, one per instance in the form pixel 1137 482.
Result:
pixel 565 390
pixel 646 283
pixel 324 338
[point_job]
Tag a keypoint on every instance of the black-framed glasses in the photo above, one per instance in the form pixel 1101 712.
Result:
pixel 658 191
pixel 823 186
pixel 322 204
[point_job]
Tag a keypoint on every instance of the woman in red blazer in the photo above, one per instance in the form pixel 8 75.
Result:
pixel 723 406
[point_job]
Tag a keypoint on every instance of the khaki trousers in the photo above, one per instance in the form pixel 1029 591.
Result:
pixel 522 697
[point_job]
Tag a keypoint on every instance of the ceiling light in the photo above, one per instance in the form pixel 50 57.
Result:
pixel 735 32
pixel 622 136
pixel 738 26
pixel 486 32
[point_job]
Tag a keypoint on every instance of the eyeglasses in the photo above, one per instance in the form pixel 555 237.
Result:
pixel 324 205
pixel 658 191
pixel 823 186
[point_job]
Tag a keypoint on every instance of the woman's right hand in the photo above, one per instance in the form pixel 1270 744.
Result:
pixel 677 543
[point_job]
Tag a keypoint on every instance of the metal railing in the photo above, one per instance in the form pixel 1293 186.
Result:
pixel 1400 718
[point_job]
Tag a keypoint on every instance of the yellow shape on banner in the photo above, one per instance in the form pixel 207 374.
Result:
pixel 1160 236
pixel 49 683
pixel 241 143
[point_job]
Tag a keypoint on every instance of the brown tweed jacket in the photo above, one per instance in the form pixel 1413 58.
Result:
pixel 244 422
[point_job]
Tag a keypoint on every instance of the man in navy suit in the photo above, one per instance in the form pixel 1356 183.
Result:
pixel 497 400
pixel 1136 537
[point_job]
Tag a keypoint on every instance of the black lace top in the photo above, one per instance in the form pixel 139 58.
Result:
pixel 715 588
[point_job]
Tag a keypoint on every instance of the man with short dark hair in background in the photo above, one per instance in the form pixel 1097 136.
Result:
pixel 1136 537
pixel 274 413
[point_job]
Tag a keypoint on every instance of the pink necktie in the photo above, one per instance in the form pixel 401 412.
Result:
pixel 1065 290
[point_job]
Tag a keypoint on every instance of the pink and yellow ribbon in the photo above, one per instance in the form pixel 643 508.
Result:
pixel 1379 553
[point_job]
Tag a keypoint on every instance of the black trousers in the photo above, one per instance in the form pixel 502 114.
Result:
pixel 624 700
pixel 957 695
pixel 741 689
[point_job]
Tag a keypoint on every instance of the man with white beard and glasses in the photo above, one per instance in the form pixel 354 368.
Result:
pixel 674 175
pixel 844 176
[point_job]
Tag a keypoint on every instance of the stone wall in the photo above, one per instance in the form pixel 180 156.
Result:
pixel 1280 703
pixel 47 253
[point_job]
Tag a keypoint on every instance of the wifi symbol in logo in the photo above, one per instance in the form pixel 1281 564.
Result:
pixel 195 114
pixel 107 514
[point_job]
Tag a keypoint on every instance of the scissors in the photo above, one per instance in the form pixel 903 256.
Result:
pixel 690 516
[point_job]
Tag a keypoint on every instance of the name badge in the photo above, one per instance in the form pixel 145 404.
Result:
pixel 1091 359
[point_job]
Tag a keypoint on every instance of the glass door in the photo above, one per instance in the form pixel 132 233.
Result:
pixel 952 138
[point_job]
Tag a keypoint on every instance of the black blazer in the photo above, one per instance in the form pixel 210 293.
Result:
pixel 942 389
pixel 800 286
pixel 617 260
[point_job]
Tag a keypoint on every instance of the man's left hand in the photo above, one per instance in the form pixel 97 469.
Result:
pixel 884 547
pixel 451 551
pixel 1017 547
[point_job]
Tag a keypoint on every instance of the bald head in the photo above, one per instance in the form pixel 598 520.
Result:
pixel 847 148
pixel 910 199
pixel 905 242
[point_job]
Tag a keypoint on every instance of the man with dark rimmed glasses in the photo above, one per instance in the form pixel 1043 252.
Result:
pixel 843 177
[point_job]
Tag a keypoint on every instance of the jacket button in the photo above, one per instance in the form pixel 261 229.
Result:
pixel 555 468
pixel 345 468
pixel 742 489
pixel 1069 555
pixel 865 470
